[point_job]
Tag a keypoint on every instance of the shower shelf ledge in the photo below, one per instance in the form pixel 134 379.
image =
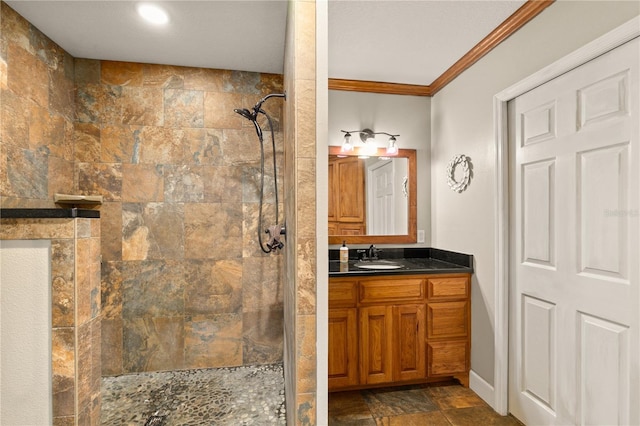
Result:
pixel 77 199
pixel 49 213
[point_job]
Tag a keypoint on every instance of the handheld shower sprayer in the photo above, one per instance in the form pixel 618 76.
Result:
pixel 245 113
pixel 276 230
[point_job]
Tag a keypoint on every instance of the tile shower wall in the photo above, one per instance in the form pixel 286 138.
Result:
pixel 36 110
pixel 36 161
pixel 184 283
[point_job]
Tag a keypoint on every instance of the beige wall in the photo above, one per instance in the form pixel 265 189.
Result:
pixel 462 123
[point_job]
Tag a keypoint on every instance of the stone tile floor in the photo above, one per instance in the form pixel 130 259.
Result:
pixel 439 405
pixel 241 396
pixel 244 396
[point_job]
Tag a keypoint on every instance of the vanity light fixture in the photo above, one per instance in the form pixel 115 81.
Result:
pixel 153 14
pixel 369 148
pixel 347 146
pixel 392 148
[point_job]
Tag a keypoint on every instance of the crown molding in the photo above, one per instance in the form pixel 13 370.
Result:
pixel 513 23
pixel 379 87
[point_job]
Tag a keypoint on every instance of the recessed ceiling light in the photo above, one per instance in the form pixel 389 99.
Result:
pixel 153 14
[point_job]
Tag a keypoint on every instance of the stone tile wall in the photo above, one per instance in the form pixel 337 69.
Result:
pixel 36 111
pixel 184 282
pixel 300 202
pixel 76 319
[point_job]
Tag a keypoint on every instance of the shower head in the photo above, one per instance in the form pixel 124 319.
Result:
pixel 245 113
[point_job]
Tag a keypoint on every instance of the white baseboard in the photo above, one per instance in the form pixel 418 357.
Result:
pixel 482 388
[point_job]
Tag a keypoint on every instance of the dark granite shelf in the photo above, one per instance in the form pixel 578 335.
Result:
pixel 48 213
pixel 413 261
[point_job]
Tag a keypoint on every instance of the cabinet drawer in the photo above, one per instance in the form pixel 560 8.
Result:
pixel 447 288
pixel 447 358
pixel 447 319
pixel 342 294
pixel 391 290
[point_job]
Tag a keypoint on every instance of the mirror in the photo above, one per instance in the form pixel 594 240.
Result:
pixel 372 201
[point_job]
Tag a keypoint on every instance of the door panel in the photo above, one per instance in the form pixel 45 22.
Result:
pixel 574 337
pixel 603 380
pixel 538 237
pixel 603 180
pixel 604 99
pixel 538 351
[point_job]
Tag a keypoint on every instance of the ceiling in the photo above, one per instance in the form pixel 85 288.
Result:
pixel 395 41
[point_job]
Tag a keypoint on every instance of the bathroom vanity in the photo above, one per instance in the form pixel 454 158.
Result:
pixel 406 323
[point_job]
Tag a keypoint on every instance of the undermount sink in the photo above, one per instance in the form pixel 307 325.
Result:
pixel 378 264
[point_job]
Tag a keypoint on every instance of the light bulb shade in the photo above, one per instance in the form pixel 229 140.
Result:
pixel 346 143
pixel 369 148
pixel 392 148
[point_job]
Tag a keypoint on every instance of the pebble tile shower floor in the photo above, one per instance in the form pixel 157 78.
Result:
pixel 241 396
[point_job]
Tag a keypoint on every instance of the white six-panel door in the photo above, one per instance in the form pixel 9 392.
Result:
pixel 574 324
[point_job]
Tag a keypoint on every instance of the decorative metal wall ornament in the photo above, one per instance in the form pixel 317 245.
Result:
pixel 464 162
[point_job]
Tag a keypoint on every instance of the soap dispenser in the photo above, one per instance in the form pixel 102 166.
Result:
pixel 344 253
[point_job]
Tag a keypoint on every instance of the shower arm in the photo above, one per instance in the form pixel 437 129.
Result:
pixel 258 106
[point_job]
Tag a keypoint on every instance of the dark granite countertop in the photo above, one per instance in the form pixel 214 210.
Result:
pixel 49 213
pixel 413 261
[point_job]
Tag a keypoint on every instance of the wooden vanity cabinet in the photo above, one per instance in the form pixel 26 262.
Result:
pixel 409 328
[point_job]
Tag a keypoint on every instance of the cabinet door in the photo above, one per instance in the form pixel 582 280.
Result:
pixel 376 345
pixel 350 187
pixel 409 342
pixel 333 194
pixel 343 348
